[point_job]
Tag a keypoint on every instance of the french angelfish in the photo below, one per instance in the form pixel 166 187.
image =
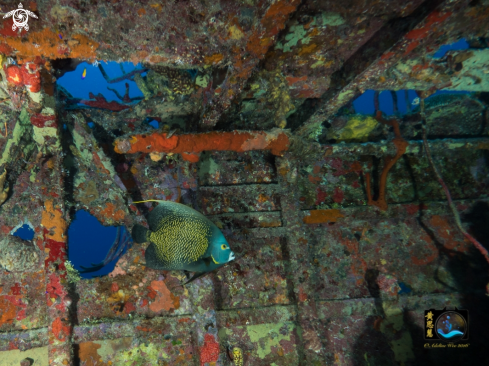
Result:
pixel 182 239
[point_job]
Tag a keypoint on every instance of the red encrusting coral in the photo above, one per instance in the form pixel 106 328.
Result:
pixel 31 77
pixel 14 75
pixel 56 253
pixel 27 75
pixel 54 289
pixel 43 120
pixel 101 102
pixel 191 144
pixel 60 330
pixel 210 350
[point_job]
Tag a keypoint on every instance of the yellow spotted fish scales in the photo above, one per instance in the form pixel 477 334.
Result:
pixel 182 239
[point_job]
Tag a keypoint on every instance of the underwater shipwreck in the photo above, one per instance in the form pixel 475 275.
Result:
pixel 338 151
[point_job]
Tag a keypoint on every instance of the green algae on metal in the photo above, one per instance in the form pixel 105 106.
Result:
pixel 23 123
pixel 265 336
pixel 296 33
pixel 152 354
pixel 78 149
pixel 474 75
pixel 40 133
pixel 357 128
pixel 202 80
pixel 207 166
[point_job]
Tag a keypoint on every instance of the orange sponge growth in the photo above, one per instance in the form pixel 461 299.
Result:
pixel 48 44
pixel 189 145
pixel 7 311
pixel 53 221
pixel 322 216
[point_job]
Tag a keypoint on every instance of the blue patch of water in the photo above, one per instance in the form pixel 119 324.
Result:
pixel 24 232
pixel 386 103
pixel 457 46
pixel 89 242
pixel 404 288
pixel 95 83
pixel 364 104
pixel 154 124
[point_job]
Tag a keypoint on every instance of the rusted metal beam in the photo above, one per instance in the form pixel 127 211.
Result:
pixel 52 238
pixel 414 147
pixel 24 340
pixel 245 60
pixel 423 34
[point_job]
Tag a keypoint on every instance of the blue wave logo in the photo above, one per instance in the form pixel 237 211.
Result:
pixel 450 335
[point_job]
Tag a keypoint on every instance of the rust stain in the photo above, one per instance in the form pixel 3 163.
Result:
pixel 322 216
pixel 88 354
pixel 213 59
pixel 389 162
pixel 111 213
pixel 445 230
pixel 7 311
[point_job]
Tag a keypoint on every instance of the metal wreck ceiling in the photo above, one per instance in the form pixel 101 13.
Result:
pixel 256 130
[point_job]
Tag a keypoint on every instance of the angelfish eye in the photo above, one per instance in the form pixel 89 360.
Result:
pixel 223 246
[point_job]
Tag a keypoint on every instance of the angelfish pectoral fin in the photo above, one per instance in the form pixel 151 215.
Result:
pixel 195 276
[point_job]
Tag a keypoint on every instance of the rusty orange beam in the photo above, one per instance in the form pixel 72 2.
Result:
pixel 322 216
pixel 190 145
pixel 389 162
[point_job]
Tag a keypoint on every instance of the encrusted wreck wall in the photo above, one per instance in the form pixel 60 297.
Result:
pixel 256 131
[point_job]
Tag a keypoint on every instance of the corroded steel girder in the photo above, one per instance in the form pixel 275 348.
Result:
pixel 425 34
pixel 262 38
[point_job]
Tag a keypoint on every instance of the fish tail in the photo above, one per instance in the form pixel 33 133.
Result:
pixel 139 233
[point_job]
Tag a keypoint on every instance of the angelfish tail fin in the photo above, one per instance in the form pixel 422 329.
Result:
pixel 139 234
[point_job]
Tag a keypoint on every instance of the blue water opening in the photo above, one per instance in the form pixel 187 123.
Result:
pixel 438 92
pixel 79 86
pixel 89 242
pixel 457 46
pixel 386 103
pixel 404 289
pixel 364 104
pixel 24 232
pixel 154 124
